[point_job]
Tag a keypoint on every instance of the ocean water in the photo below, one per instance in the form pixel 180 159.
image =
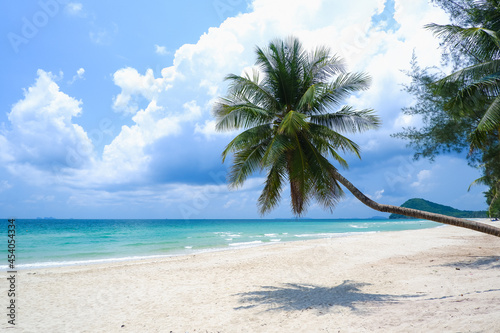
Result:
pixel 50 243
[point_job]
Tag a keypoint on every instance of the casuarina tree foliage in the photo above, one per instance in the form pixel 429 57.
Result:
pixel 461 110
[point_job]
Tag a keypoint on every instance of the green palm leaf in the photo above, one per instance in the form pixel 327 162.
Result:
pixel 479 42
pixel 348 120
pixel 491 118
pixel 292 123
pixel 235 116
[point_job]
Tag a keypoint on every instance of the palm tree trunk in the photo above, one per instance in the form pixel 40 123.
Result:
pixel 481 227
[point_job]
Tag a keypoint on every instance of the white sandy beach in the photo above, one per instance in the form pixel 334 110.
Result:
pixel 436 280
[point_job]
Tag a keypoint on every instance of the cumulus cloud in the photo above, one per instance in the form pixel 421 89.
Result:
pixel 135 86
pixel 43 134
pixel 126 159
pixel 170 113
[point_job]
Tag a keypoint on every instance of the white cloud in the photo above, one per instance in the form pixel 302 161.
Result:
pixel 161 50
pixel 40 198
pixel 207 129
pixel 404 120
pixel 181 200
pixel 379 194
pixel 74 8
pixel 178 102
pixel 6 149
pixel 423 180
pixel 125 159
pixel 79 75
pixel 162 106
pixel 135 85
pixel 43 133
pixel 380 6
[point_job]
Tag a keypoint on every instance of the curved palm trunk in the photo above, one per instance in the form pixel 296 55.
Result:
pixel 481 227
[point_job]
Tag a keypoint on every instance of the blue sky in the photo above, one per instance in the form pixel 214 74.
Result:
pixel 106 105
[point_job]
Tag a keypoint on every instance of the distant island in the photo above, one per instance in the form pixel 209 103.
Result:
pixel 433 207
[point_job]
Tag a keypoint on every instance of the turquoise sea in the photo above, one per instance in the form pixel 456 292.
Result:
pixel 53 242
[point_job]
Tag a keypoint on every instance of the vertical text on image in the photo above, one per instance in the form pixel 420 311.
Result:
pixel 11 272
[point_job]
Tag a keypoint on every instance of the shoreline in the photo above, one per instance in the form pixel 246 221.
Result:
pixel 109 263
pixel 439 279
pixel 154 258
pixel 255 241
pixel 127 261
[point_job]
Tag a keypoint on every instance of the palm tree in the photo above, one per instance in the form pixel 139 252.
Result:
pixel 491 194
pixel 289 131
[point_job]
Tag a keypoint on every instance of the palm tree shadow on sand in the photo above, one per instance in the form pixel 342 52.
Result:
pixel 299 297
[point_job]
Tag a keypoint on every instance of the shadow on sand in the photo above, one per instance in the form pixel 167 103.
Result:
pixel 476 262
pixel 298 297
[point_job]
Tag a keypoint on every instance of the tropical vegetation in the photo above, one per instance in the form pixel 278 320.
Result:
pixel 461 110
pixel 429 206
pixel 293 123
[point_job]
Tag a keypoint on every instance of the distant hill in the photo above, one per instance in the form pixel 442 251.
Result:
pixel 433 207
pixel 378 218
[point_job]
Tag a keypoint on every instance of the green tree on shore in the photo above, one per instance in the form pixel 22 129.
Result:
pixel 289 129
pixel 461 111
